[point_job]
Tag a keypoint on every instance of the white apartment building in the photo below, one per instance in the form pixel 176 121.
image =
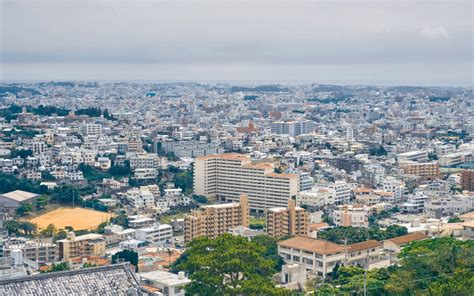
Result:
pixel 141 199
pixel 394 186
pixel 159 234
pixel 340 190
pixel 316 197
pixel 38 147
pixel 192 148
pixel 348 215
pixel 227 176
pixel 91 129
pixel 145 173
pixel 144 161
pixel 420 156
pixel 292 128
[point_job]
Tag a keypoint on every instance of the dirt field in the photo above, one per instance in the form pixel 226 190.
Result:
pixel 78 218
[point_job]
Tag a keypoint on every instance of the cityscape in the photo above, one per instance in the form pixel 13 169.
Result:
pixel 267 184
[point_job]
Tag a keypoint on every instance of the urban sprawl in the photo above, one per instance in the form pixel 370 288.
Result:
pixel 220 189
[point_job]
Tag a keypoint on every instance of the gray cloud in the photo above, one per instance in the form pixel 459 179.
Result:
pixel 354 42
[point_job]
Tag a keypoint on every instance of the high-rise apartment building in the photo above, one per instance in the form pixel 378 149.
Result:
pixel 288 221
pixel 214 220
pixel 467 180
pixel 292 128
pixel 227 176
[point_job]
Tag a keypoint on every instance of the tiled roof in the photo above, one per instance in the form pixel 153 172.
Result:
pixel 370 244
pixel 107 280
pixel 312 245
pixel 415 236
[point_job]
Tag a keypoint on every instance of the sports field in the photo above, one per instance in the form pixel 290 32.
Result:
pixel 77 218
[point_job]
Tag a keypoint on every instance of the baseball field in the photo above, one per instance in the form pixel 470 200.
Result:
pixel 77 218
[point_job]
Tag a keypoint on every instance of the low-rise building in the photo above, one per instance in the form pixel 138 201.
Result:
pixel 159 234
pixel 78 246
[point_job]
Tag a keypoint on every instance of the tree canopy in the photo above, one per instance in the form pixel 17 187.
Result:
pixel 438 266
pixel 360 234
pixel 228 265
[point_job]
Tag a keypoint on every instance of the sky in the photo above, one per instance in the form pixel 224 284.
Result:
pixel 383 42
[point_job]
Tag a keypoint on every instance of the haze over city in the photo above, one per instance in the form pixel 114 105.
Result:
pixel 346 42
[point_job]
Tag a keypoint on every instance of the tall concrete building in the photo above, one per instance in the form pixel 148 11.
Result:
pixel 288 221
pixel 214 220
pixel 467 180
pixel 227 176
pixel 292 128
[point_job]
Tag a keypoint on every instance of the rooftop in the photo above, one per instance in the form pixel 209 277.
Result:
pixel 20 195
pixel 107 280
pixel 312 245
pixel 164 277
pixel 415 236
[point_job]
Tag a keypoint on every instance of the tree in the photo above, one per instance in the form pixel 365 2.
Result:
pixel 41 202
pixel 12 226
pixel 28 228
pixel 184 180
pixel 120 171
pixel 200 199
pixel 227 265
pixel 128 256
pixel 49 231
pixel 24 209
pixel 23 153
pixel 58 267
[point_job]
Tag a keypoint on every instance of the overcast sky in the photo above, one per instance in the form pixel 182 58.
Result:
pixel 354 42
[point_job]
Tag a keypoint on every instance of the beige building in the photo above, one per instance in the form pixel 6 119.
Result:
pixel 85 245
pixel 227 176
pixel 426 169
pixel 214 220
pixel 351 215
pixel 321 256
pixel 288 221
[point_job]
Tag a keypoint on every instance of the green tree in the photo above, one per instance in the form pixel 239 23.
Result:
pixel 184 180
pixel 58 267
pixel 41 202
pixel 49 231
pixel 227 265
pixel 24 209
pixel 200 199
pixel 28 228
pixel 23 153
pixel 128 256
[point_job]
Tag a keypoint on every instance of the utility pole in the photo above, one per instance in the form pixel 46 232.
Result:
pixel 365 282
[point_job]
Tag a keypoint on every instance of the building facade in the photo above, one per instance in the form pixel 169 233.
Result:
pixel 227 176
pixel 288 221
pixel 214 220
